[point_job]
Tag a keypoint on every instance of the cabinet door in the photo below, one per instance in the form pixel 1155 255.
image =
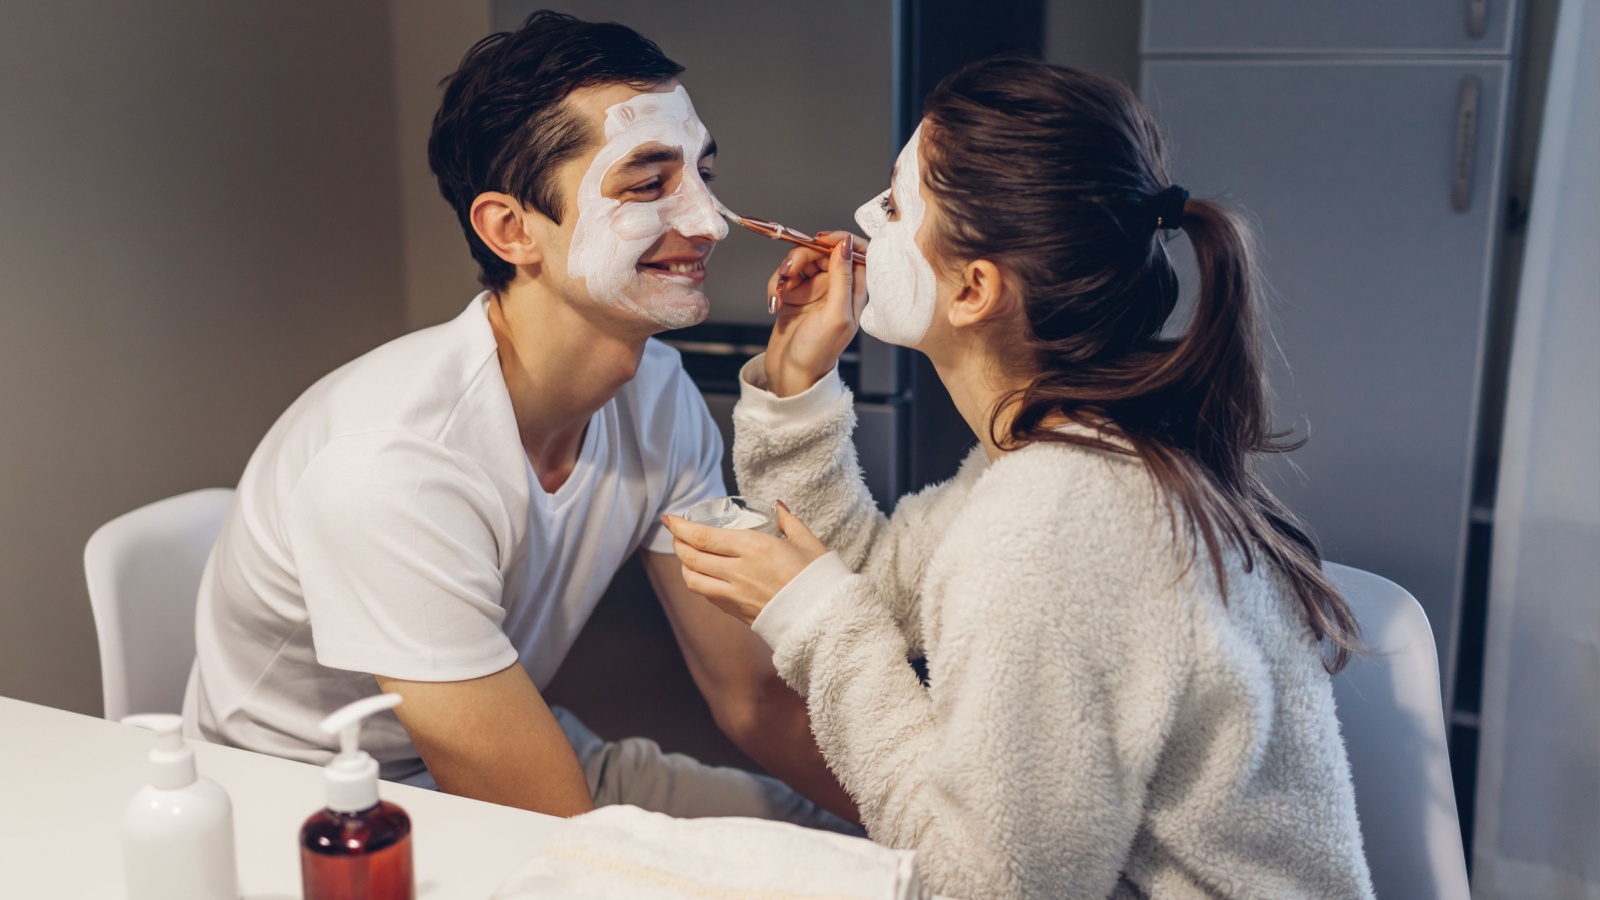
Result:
pixel 1361 26
pixel 1378 287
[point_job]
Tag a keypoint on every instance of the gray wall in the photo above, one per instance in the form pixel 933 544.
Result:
pixel 1099 35
pixel 198 217
pixel 430 37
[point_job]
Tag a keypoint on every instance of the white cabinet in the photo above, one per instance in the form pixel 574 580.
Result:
pixel 1375 182
pixel 1323 26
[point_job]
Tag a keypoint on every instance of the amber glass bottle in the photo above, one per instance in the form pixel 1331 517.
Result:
pixel 363 855
pixel 358 847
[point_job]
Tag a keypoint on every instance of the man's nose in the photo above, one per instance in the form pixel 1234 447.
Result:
pixel 698 216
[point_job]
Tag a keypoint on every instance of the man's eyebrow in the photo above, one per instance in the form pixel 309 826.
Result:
pixel 644 157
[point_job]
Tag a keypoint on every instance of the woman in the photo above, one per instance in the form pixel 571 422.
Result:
pixel 1127 637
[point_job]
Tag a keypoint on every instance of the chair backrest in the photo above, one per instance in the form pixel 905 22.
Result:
pixel 1394 732
pixel 144 571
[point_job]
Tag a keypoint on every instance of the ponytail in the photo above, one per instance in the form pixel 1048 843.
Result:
pixel 1058 177
pixel 1223 375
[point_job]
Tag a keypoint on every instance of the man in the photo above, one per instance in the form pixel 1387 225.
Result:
pixel 439 517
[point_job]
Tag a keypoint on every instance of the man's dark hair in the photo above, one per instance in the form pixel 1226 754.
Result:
pixel 504 126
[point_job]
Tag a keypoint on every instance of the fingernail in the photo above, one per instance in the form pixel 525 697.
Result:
pixel 772 305
pixel 785 506
pixel 784 269
pixel 821 235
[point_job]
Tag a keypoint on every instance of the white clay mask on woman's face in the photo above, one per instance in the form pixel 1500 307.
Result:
pixel 611 235
pixel 901 289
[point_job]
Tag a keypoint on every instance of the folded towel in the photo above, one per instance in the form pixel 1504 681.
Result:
pixel 624 851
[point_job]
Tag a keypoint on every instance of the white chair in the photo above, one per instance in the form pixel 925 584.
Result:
pixel 144 569
pixel 1394 732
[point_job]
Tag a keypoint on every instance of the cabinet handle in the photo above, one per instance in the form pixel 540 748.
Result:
pixel 1466 144
pixel 1477 17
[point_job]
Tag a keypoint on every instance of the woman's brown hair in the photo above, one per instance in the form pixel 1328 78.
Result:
pixel 1059 177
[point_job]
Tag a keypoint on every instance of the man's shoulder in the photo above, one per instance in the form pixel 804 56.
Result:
pixel 437 386
pixel 416 381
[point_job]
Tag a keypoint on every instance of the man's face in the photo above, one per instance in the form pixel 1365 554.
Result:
pixel 642 220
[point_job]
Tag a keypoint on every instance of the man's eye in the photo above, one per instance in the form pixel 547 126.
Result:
pixel 707 176
pixel 650 187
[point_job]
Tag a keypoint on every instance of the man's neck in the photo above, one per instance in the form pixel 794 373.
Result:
pixel 560 367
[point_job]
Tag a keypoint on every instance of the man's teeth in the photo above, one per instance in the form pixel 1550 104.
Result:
pixel 684 268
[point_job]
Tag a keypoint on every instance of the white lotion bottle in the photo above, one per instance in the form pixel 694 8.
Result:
pixel 177 833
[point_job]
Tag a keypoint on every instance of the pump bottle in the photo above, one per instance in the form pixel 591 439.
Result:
pixel 359 847
pixel 177 833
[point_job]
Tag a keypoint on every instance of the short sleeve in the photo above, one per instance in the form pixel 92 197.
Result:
pixel 398 543
pixel 694 464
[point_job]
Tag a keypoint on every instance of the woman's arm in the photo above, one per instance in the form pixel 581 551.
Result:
pixel 798 450
pixel 794 420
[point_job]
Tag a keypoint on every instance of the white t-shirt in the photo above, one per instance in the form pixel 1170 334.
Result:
pixel 390 524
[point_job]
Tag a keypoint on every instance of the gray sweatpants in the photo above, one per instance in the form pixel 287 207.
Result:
pixel 637 772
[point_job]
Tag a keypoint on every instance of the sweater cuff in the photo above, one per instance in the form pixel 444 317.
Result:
pixel 796 610
pixel 766 408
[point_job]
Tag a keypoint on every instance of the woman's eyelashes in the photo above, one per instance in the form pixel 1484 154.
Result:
pixel 886 205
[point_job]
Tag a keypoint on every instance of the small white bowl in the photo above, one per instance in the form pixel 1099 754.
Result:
pixel 736 513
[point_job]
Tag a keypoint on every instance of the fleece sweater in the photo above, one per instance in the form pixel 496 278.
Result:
pixel 1096 722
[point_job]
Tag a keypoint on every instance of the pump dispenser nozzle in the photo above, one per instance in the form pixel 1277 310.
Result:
pixel 172 761
pixel 352 776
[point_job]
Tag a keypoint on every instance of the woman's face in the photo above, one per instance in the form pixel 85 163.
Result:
pixel 902 291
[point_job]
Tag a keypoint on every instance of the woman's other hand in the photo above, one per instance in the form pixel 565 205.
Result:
pixel 819 298
pixel 740 571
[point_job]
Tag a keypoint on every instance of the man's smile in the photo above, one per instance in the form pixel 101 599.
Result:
pixel 687 268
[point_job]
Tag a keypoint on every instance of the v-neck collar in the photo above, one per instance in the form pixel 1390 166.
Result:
pixel 582 468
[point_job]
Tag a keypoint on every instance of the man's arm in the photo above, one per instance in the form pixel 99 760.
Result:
pixel 733 669
pixel 493 738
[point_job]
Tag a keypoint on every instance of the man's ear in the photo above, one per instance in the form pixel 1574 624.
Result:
pixel 983 295
pixel 500 223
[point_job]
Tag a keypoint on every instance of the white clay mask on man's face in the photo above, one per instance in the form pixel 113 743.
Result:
pixel 611 235
pixel 901 289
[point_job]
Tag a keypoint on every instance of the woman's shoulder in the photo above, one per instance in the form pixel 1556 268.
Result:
pixel 1069 488
pixel 1065 513
pixel 1069 545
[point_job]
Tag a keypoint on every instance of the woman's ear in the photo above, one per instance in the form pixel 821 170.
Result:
pixel 500 223
pixel 982 296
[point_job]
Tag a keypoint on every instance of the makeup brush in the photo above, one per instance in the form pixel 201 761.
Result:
pixel 779 232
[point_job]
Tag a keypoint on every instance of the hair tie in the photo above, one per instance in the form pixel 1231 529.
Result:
pixel 1169 207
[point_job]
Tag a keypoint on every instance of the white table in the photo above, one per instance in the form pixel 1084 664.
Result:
pixel 68 778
